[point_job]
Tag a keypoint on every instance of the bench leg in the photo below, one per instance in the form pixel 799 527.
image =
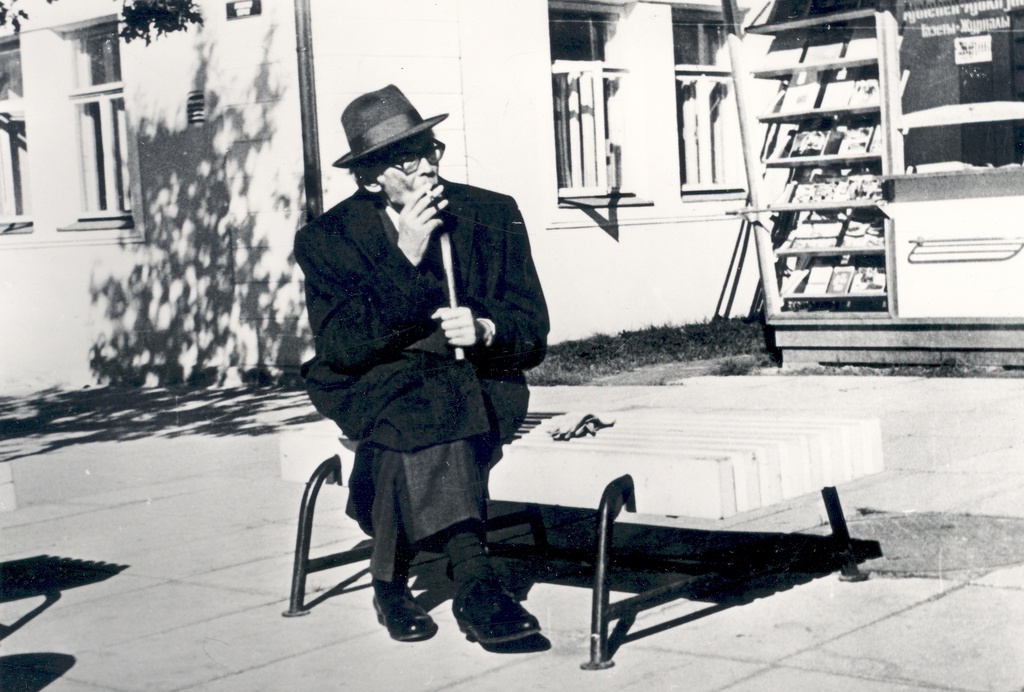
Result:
pixel 329 469
pixel 618 494
pixel 841 535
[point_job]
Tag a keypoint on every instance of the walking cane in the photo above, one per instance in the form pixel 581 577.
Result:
pixel 449 273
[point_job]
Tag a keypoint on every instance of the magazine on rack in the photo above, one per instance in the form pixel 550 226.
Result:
pixel 818 280
pixel 868 280
pixel 838 91
pixel 801 94
pixel 840 280
pixel 855 140
pixel 809 143
pixel 865 93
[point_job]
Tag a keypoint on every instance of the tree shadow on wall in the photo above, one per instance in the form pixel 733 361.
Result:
pixel 184 312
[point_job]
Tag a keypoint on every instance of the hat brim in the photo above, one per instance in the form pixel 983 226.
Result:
pixel 352 158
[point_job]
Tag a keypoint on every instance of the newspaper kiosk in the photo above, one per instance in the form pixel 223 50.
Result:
pixel 887 210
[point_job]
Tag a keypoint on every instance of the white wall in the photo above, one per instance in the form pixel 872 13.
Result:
pixel 209 282
pixel 206 280
pixel 670 259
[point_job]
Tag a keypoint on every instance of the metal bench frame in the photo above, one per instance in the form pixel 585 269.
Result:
pixel 617 495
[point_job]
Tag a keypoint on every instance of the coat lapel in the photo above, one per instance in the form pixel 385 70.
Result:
pixel 366 228
pixel 461 224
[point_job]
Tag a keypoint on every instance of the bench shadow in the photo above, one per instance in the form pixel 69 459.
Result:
pixel 33 672
pixel 723 569
pixel 48 576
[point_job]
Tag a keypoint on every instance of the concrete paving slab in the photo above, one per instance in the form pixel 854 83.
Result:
pixel 67 684
pixel 644 670
pixel 124 617
pixel 272 576
pixel 922 450
pixel 196 654
pixel 947 446
pixel 225 549
pixel 42 514
pixel 77 471
pixel 1006 461
pixel 117 534
pixel 944 642
pixel 256 504
pixel 372 661
pixel 1007 501
pixel 153 492
pixel 803 617
pixel 1006 578
pixel 117 585
pixel 796 680
pixel 923 492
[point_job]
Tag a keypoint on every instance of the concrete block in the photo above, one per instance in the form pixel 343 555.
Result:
pixel 682 464
pixel 837 449
pixel 5 472
pixel 773 458
pixel 666 483
pixel 302 448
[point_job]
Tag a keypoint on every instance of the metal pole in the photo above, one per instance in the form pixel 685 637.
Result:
pixel 751 159
pixel 307 105
pixel 616 494
pixel 841 535
pixel 300 568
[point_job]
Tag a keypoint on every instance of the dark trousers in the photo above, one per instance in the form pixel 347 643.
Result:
pixel 411 500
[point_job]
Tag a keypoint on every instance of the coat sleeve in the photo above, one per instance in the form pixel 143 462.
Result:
pixel 514 300
pixel 362 310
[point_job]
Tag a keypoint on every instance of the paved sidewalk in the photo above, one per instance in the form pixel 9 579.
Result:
pixel 177 508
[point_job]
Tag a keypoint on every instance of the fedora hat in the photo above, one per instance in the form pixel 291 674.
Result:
pixel 376 120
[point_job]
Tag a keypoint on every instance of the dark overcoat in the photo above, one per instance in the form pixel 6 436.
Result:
pixel 370 311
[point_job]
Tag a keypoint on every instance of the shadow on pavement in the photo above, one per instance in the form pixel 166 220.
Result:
pixel 42 575
pixel 54 419
pixel 722 569
pixel 33 672
pixel 45 575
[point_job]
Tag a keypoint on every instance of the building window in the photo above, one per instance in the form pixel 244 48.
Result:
pixel 588 113
pixel 710 151
pixel 15 201
pixel 103 136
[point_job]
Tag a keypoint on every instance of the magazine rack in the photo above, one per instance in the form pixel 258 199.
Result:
pixel 830 133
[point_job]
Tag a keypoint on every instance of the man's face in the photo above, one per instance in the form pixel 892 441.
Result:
pixel 403 188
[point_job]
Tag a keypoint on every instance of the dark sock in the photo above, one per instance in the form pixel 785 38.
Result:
pixel 395 589
pixel 465 552
pixel 389 591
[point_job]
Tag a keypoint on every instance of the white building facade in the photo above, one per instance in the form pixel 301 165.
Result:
pixel 149 194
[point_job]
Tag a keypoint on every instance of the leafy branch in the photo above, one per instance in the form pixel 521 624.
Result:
pixel 140 19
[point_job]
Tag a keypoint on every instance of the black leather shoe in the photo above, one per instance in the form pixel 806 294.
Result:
pixel 488 614
pixel 404 617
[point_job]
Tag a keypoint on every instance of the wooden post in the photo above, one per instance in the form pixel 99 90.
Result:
pixel 751 159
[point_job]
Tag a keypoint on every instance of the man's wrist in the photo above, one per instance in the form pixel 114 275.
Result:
pixel 485 331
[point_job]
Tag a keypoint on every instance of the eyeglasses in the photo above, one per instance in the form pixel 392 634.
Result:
pixel 409 162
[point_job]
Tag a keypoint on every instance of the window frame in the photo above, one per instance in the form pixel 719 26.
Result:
pixel 699 123
pixel 110 184
pixel 14 187
pixel 601 132
pixel 589 139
